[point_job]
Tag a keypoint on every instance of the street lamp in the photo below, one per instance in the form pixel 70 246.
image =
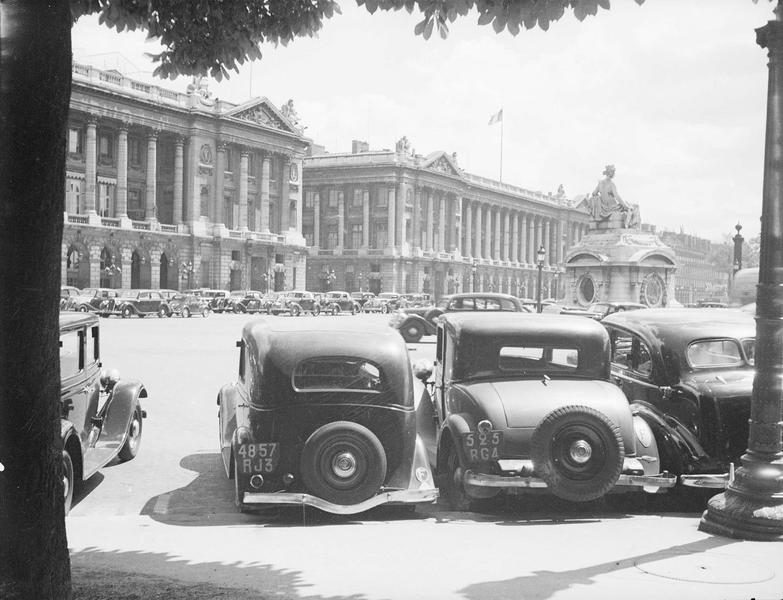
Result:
pixel 556 278
pixel 474 273
pixel 540 258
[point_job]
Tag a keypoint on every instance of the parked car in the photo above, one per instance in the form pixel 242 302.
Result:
pixel 295 303
pixel 604 309
pixel 336 302
pixel 689 374
pixel 68 294
pixel 414 323
pixel 566 309
pixel 101 414
pixel 247 301
pixel 417 300
pixel 522 401
pixel 385 302
pixel 135 302
pixel 187 305
pixel 322 415
pixel 90 299
pixel 168 294
pixel 215 299
pixel 362 297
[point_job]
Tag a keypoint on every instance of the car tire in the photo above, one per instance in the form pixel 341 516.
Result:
pixel 451 481
pixel 127 312
pixel 162 312
pixel 343 462
pixel 316 310
pixel 132 443
pixel 384 309
pixel 185 312
pixel 82 308
pixel 241 506
pixel 205 312
pixel 600 444
pixel 411 332
pixel 335 310
pixel 296 310
pixel 69 480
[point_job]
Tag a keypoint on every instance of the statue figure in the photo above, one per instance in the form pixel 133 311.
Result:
pixel 605 201
pixel 403 145
pixel 289 112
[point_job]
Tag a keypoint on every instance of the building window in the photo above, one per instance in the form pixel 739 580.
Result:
pixel 356 235
pixel 74 140
pixel 73 196
pixel 357 197
pixel 308 200
pixel 106 147
pixel 229 164
pixel 307 232
pixel 380 235
pixel 331 237
pixel 235 255
pixel 135 152
pixel 135 205
pixel 383 198
pixel 251 164
pixel 105 199
pixel 332 198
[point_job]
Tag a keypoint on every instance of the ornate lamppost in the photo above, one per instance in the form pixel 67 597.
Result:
pixel 186 270
pixel 556 283
pixel 474 274
pixel 752 505
pixel 540 258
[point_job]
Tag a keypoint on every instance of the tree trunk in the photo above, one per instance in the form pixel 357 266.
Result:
pixel 35 84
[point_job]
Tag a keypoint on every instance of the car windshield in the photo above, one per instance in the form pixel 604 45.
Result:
pixel 337 373
pixel 720 353
pixel 526 360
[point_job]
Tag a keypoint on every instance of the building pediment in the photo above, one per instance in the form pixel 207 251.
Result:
pixel 262 112
pixel 441 163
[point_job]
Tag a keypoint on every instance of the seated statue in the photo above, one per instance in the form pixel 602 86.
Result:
pixel 605 202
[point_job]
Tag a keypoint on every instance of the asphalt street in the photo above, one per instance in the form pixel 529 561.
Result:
pixel 169 512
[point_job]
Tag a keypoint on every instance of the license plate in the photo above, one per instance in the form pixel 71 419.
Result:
pixel 482 447
pixel 258 458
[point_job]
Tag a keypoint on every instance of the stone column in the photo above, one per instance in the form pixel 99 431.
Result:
pixel 416 242
pixel 340 220
pixel 220 201
pixel 91 165
pixel 299 207
pixel 121 207
pixel 442 224
pixel 498 237
pixel 285 201
pixel 559 244
pixel 468 212
pixel 488 233
pixel 457 230
pixel 243 190
pixel 179 179
pixel 391 229
pixel 365 218
pixel 477 246
pixel 430 219
pixel 316 219
pixel 150 207
pixel 402 200
pixel 522 238
pixel 265 162
pixel 515 238
pixel 532 238
pixel 506 234
pixel 545 227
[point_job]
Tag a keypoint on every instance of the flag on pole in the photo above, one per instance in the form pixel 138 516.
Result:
pixel 496 118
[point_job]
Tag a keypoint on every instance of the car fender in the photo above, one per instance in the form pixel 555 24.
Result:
pixel 454 427
pixel 72 443
pixel 241 435
pixel 117 412
pixel 678 449
pixel 426 327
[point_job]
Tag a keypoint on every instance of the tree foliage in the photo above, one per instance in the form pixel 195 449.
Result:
pixel 211 37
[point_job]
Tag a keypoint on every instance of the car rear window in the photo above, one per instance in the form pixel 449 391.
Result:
pixel 338 374
pixel 537 359
pixel 714 353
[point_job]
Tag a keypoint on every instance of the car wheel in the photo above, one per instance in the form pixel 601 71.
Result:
pixel 578 451
pixel 295 310
pixel 82 308
pixel 205 312
pixel 335 310
pixel 162 312
pixel 130 448
pixel 411 332
pixel 343 462
pixel 269 310
pixel 68 480
pixel 451 481
pixel 316 310
pixel 238 492
pixel 127 312
pixel 185 312
pixel 384 308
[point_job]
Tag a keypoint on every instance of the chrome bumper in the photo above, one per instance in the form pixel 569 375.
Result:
pixel 663 480
pixel 709 480
pixel 398 497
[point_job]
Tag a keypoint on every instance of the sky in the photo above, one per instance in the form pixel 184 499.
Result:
pixel 673 93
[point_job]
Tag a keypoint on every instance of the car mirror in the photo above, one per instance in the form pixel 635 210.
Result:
pixel 422 369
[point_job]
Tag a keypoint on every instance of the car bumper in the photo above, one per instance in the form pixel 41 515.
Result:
pixel 709 480
pixel 425 495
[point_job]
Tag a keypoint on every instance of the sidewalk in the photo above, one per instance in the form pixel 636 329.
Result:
pixel 434 555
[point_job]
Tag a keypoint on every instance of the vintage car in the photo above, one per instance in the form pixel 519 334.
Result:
pixel 295 303
pixel 135 302
pixel 248 301
pixel 689 373
pixel 334 303
pixel 362 297
pixel 215 299
pixel 522 401
pixel 187 305
pixel 101 414
pixel 324 416
pixel 417 300
pixel 90 299
pixel 68 295
pixel 414 323
pixel 604 309
pixel 385 302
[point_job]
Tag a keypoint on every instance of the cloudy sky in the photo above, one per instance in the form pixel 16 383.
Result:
pixel 673 93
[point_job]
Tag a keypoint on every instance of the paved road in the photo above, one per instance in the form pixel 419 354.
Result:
pixel 170 512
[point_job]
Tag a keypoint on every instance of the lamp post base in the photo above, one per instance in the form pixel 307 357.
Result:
pixel 751 508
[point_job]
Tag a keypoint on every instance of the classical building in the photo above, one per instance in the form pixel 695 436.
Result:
pixel 400 222
pixel 704 267
pixel 176 190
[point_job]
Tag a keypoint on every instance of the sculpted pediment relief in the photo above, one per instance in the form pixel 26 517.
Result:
pixel 262 113
pixel 442 164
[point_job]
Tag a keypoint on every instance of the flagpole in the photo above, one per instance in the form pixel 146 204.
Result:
pixel 501 150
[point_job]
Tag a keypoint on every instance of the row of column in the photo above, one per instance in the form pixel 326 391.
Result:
pixel 194 207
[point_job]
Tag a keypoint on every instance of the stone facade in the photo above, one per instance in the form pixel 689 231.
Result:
pixel 395 221
pixel 179 190
pixel 704 267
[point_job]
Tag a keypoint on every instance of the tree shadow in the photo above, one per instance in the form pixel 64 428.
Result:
pixel 97 574
pixel 545 584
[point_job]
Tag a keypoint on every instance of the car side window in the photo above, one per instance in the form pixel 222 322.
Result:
pixel 642 358
pixel 448 357
pixel 70 351
pixel 479 304
pixel 96 346
pixel 622 347
pixel 506 304
pixel 492 304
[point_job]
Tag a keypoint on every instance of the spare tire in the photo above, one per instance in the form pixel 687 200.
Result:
pixel 343 462
pixel 578 451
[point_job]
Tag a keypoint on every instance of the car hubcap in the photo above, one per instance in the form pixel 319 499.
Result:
pixel 133 434
pixel 344 465
pixel 580 451
pixel 66 485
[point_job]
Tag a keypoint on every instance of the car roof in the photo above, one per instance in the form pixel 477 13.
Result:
pixel 680 326
pixel 73 320
pixel 503 324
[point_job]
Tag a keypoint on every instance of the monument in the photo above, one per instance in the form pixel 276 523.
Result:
pixel 618 261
